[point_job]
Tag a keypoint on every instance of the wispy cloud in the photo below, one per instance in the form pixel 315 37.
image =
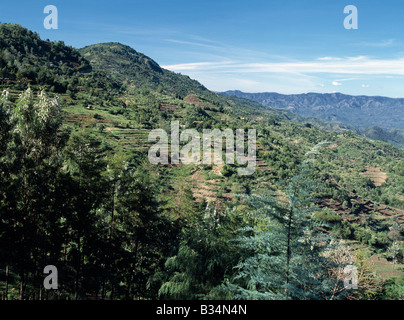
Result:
pixel 349 79
pixel 380 44
pixel 199 66
pixel 328 58
pixel 192 43
pixel 225 50
pixel 360 65
pixel 322 74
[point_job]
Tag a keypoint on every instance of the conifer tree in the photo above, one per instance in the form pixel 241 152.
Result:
pixel 283 251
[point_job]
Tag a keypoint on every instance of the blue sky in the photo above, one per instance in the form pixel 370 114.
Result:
pixel 286 46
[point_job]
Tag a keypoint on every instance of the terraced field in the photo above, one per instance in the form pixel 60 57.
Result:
pixel 375 174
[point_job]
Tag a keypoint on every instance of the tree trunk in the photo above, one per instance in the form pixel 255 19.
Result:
pixel 21 285
pixel 6 290
pixel 78 265
pixel 288 250
pixel 132 268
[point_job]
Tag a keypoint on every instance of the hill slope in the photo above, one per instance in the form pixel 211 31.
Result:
pixel 127 65
pixel 359 111
pixel 393 136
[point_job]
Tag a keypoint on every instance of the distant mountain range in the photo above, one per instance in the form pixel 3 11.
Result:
pixel 378 118
pixel 358 111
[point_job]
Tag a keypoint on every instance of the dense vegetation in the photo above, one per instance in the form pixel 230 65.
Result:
pixel 77 190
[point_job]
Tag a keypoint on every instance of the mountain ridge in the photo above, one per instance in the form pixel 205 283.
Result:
pixel 360 111
pixel 135 68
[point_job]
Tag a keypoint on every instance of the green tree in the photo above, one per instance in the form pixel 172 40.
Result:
pixel 85 163
pixel 283 251
pixel 146 234
pixel 32 158
pixel 204 258
pixel 5 178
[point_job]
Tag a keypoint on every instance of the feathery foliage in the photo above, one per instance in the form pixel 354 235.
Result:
pixel 283 249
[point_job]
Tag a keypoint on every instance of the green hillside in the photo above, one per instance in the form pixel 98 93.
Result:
pixel 137 70
pixel 119 227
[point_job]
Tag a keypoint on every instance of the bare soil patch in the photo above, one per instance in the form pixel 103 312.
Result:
pixel 375 174
pixel 192 99
pixel 384 268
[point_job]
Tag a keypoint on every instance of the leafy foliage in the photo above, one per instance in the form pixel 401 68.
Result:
pixel 204 256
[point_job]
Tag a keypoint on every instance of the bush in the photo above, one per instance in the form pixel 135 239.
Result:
pixel 328 217
pixel 394 289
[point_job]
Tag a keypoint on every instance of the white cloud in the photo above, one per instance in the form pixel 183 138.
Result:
pixel 197 66
pixel 382 43
pixel 192 43
pixel 348 79
pixel 328 58
pixel 297 76
pixel 350 65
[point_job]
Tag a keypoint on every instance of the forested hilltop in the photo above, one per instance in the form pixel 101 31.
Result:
pixel 77 190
